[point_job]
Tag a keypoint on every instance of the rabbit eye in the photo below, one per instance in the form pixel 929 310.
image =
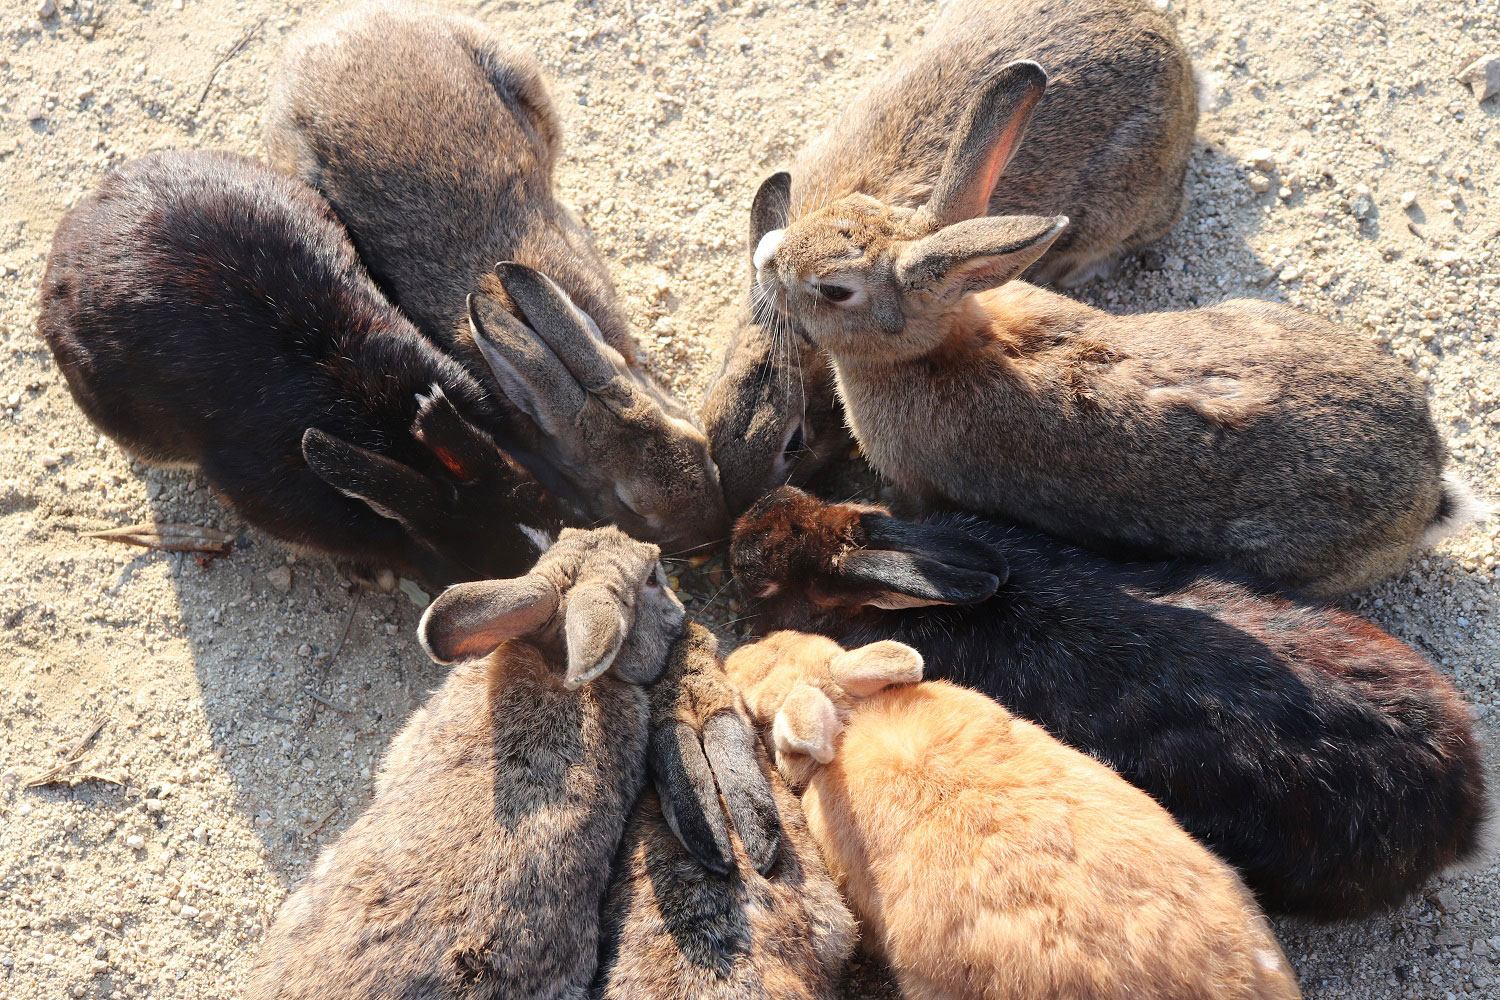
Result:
pixel 836 293
pixel 654 580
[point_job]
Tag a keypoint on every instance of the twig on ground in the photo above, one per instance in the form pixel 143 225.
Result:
pixel 73 756
pixel 169 537
pixel 234 50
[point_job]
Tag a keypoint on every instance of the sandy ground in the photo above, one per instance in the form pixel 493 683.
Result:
pixel 1341 168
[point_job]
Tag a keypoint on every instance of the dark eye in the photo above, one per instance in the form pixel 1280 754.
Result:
pixel 654 580
pixel 793 444
pixel 835 293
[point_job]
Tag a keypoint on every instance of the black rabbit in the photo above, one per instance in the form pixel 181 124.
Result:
pixel 1324 759
pixel 208 311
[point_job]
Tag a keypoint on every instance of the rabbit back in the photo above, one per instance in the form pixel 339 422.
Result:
pixel 987 860
pixel 481 865
pixel 1108 146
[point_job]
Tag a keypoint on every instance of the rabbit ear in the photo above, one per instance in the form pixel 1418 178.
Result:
pixel 988 136
pixel 595 630
pixel 471 619
pixel 863 671
pixel 689 778
pixel 463 449
pixel 771 207
pixel 974 255
pixel 806 724
pixel 907 565
pixel 568 332
pixel 389 488
pixel 530 375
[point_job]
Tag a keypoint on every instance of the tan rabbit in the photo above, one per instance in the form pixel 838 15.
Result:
pixel 1246 433
pixel 985 859
pixel 1113 140
pixel 766 921
pixel 479 869
pixel 435 141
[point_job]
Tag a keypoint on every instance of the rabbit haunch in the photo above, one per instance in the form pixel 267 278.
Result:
pixel 1110 149
pixel 1327 761
pixel 434 201
pixel 209 311
pixel 1246 433
pixel 986 860
pixel 480 867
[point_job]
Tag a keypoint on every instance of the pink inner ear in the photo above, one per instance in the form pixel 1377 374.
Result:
pixel 1000 154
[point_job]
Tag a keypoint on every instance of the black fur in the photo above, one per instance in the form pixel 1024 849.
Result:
pixel 1323 758
pixel 210 311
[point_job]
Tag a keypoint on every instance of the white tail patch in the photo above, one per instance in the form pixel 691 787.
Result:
pixel 1466 508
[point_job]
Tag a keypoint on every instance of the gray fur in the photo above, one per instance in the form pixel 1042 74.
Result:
pixel 479 869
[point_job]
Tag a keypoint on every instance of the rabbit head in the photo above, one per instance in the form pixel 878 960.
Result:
pixel 597 596
pixel 866 280
pixel 628 459
pixel 771 414
pixel 796 556
pixel 478 515
pixel 799 688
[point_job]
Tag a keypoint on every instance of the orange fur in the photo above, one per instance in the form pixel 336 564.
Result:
pixel 987 860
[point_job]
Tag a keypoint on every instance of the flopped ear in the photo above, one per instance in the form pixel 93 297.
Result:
pixel 729 744
pixel 471 619
pixel 806 724
pixel 894 581
pixel 462 448
pixel 988 135
pixel 975 255
pixel 529 374
pixel 875 667
pixel 770 209
pixel 595 631
pixel 949 544
pixel 389 488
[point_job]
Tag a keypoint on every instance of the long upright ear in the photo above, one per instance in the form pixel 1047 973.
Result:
pixel 529 374
pixel 806 724
pixel 471 619
pixel 595 632
pixel 976 254
pixel 389 488
pixel 771 208
pixel 988 135
pixel 875 667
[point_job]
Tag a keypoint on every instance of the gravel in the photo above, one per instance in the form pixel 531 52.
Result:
pixel 1343 166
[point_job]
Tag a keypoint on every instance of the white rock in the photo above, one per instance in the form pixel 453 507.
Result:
pixel 1263 159
pixel 135 842
pixel 1408 199
pixel 1483 76
pixel 1260 183
pixel 46 8
pixel 280 579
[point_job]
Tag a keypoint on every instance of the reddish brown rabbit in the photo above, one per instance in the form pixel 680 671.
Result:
pixel 1110 150
pixel 1246 433
pixel 987 860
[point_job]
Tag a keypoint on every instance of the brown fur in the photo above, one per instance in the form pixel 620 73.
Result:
pixel 987 860
pixel 479 869
pixel 1245 433
pixel 434 199
pixel 1110 146
pixel 675 930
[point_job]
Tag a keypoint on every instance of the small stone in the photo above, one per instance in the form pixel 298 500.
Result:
pixel 414 593
pixel 1483 76
pixel 304 650
pixel 1263 159
pixel 1260 183
pixel 46 9
pixel 36 113
pixel 135 842
pixel 280 579
pixel 1289 275
pixel 1408 199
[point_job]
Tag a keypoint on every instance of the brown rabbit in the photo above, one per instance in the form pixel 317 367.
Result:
pixel 768 928
pixel 435 141
pixel 1246 433
pixel 1114 137
pixel 479 869
pixel 984 858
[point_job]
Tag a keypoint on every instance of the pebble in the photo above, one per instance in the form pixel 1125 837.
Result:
pixel 304 650
pixel 135 842
pixel 1408 199
pixel 280 579
pixel 1260 183
pixel 1483 76
pixel 46 8
pixel 1263 159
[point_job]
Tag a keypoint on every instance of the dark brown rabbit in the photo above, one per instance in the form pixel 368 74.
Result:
pixel 765 922
pixel 1246 433
pixel 435 141
pixel 208 311
pixel 1110 150
pixel 479 869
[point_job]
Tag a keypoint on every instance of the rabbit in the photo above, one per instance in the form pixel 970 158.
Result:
pixel 481 864
pixel 1324 759
pixel 1246 433
pixel 1114 137
pixel 210 312
pixel 432 201
pixel 987 860
pixel 765 921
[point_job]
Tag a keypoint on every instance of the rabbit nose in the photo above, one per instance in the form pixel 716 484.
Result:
pixel 766 249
